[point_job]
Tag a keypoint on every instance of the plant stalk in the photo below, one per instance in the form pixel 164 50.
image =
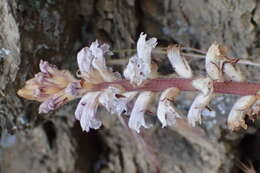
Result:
pixel 160 84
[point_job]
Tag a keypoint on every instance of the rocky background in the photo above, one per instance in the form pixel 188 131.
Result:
pixel 55 30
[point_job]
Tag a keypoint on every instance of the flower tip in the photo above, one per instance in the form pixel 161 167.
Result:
pixel 27 94
pixel 20 93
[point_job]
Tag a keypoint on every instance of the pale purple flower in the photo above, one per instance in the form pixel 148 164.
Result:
pixel 55 102
pixel 46 83
pixel 86 111
pixel 72 91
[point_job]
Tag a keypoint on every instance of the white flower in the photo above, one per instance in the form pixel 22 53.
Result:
pixel 218 64
pixel 92 64
pixel 238 112
pixel 86 111
pixel 166 111
pixel 140 67
pixel 214 61
pixel 204 85
pixel 199 103
pixel 179 63
pixel 137 115
pixel 114 100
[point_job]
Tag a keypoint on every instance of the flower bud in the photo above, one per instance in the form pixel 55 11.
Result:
pixel 178 62
pixel 56 101
pixel 46 83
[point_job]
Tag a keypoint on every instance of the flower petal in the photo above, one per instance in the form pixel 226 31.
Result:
pixel 85 58
pixel 233 72
pixel 179 63
pixel 144 48
pixel 55 102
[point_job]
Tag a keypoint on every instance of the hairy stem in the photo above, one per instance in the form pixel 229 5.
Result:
pixel 160 84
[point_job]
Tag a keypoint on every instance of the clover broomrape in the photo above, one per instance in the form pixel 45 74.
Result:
pixel 98 85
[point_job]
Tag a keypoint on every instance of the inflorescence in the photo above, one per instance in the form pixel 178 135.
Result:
pixel 131 95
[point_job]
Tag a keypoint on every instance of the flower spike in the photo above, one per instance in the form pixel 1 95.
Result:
pixel 98 85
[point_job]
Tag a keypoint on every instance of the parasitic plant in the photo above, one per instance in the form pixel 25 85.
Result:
pixel 98 85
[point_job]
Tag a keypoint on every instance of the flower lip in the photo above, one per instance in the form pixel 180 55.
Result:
pixel 86 111
pixel 166 112
pixel 137 120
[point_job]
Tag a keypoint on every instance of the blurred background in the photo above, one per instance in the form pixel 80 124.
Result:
pixel 55 30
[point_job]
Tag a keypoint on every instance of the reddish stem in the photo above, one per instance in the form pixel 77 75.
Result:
pixel 160 84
